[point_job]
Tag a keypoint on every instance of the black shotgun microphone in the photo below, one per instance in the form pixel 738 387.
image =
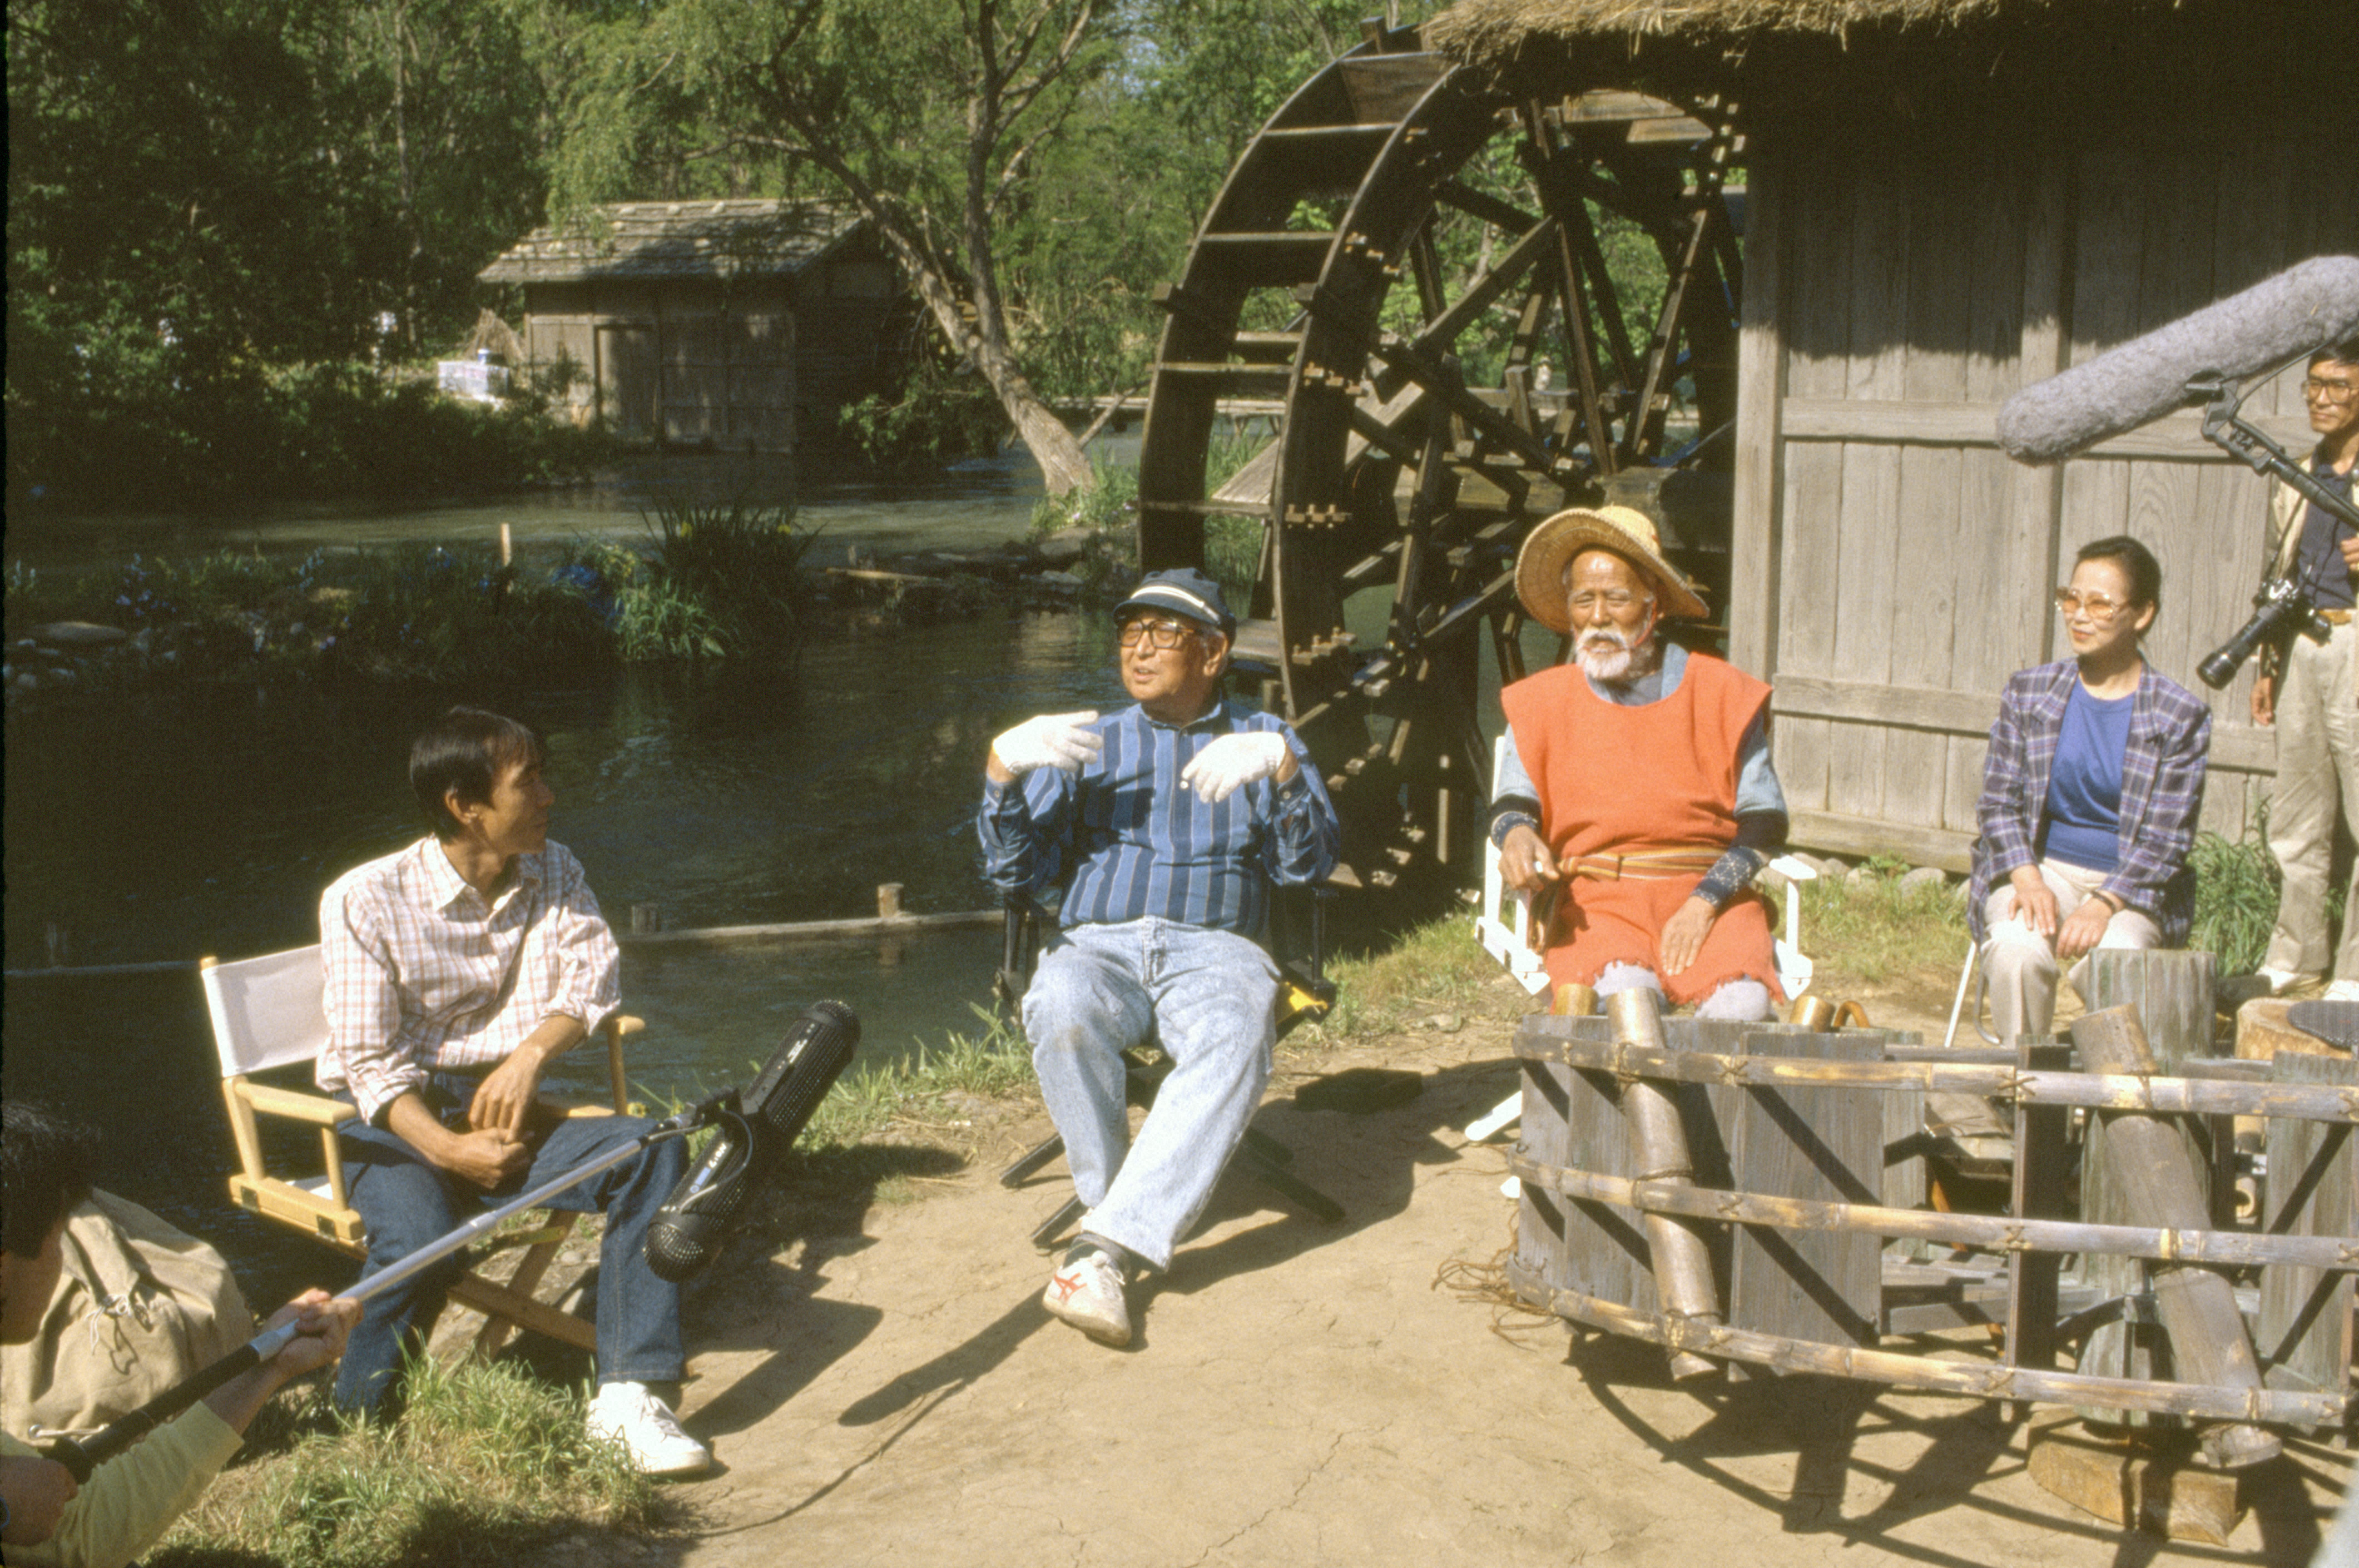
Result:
pixel 2301 308
pixel 755 1133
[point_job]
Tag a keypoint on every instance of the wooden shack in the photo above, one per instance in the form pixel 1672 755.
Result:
pixel 1950 199
pixel 712 323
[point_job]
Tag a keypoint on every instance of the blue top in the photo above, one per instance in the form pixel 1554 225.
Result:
pixel 2084 790
pixel 1142 844
pixel 2317 563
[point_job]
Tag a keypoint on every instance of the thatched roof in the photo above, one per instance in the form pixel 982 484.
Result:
pixel 1993 64
pixel 663 240
pixel 1495 29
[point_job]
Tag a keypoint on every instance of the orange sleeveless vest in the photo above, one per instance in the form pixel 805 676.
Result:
pixel 1614 781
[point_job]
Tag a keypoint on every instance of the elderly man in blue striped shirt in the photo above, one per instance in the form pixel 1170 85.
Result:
pixel 1174 817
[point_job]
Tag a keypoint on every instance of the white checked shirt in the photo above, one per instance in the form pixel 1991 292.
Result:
pixel 424 976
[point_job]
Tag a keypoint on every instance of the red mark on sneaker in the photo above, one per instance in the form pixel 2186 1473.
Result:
pixel 1065 1285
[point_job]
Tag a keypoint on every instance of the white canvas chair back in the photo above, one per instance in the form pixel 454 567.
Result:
pixel 1794 968
pixel 1504 924
pixel 267 1011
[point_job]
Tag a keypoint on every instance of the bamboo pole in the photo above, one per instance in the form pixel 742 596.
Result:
pixel 815 930
pixel 2148 1166
pixel 2124 1091
pixel 1980 1380
pixel 1683 1282
pixel 2234 1250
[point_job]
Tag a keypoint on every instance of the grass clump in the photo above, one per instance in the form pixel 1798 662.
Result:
pixel 715 582
pixel 485 1463
pixel 1109 507
pixel 926 1088
pixel 1434 968
pixel 1870 929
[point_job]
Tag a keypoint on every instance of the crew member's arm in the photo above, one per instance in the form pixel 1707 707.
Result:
pixel 589 987
pixel 2156 851
pixel 1525 864
pixel 134 1498
pixel 1760 834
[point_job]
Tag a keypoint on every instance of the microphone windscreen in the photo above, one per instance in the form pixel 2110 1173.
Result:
pixel 2303 308
pixel 687 1232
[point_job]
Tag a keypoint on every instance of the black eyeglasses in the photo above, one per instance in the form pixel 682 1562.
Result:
pixel 1158 633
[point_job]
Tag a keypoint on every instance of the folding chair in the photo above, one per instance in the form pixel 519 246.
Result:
pixel 269 1012
pixel 1305 996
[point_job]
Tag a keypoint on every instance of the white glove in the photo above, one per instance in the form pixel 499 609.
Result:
pixel 1231 760
pixel 1051 740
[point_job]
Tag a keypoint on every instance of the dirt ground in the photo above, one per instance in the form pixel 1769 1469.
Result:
pixel 1305 1392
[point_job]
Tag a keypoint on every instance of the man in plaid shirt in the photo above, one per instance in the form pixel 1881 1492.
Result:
pixel 457 970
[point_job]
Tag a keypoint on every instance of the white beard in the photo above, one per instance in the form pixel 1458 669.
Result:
pixel 1609 656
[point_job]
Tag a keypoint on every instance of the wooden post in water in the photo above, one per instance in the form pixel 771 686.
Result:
pixel 1683 1282
pixel 888 900
pixel 508 545
pixel 646 917
pixel 2148 1165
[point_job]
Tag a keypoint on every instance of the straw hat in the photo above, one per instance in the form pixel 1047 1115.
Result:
pixel 1628 533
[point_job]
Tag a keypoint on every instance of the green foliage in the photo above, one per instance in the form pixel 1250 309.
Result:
pixel 485 1464
pixel 716 583
pixel 2236 889
pixel 937 416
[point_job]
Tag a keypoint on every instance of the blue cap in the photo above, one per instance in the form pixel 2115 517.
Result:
pixel 1186 592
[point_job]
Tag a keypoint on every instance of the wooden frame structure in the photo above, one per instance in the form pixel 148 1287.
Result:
pixel 1792 1203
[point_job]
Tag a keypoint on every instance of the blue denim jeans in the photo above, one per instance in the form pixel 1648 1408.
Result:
pixel 1207 996
pixel 407 1203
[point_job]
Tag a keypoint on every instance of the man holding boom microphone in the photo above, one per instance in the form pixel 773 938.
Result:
pixel 457 970
pixel 2305 690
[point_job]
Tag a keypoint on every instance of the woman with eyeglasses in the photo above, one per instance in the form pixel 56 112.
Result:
pixel 2090 796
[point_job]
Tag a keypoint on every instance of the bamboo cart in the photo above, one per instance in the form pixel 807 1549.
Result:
pixel 1753 1197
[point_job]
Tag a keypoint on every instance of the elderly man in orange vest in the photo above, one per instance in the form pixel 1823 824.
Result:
pixel 1636 801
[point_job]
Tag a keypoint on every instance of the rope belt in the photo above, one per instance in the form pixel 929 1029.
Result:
pixel 1647 864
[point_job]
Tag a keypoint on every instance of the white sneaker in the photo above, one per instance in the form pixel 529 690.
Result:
pixel 1086 1291
pixel 628 1414
pixel 2343 991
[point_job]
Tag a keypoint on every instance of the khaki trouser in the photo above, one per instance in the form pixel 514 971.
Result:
pixel 2318 781
pixel 2021 966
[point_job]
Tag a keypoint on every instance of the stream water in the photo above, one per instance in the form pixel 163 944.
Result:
pixel 207 822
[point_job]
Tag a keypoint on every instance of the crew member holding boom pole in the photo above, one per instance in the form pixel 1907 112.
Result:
pixel 44 1516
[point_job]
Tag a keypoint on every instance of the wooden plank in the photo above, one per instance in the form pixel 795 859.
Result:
pixel 2027 554
pixel 2041 1189
pixel 2176 437
pixel 2305 1332
pixel 1755 538
pixel 1818 1144
pixel 1969 714
pixel 1866 594
pixel 1586 1246
pixel 1837 833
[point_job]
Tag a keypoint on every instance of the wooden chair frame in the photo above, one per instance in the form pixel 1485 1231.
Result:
pixel 321 1208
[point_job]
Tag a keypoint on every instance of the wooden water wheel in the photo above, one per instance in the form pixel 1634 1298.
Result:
pixel 1392 265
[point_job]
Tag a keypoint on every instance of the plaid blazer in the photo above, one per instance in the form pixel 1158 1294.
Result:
pixel 2162 792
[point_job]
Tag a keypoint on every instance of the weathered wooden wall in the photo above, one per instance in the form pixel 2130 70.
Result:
pixel 1891 566
pixel 683 358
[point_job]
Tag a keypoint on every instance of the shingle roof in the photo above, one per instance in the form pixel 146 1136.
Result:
pixel 657 240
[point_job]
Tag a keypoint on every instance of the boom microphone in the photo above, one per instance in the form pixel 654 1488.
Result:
pixel 770 1115
pixel 2301 308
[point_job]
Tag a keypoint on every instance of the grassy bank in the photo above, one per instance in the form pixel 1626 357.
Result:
pixel 709 582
